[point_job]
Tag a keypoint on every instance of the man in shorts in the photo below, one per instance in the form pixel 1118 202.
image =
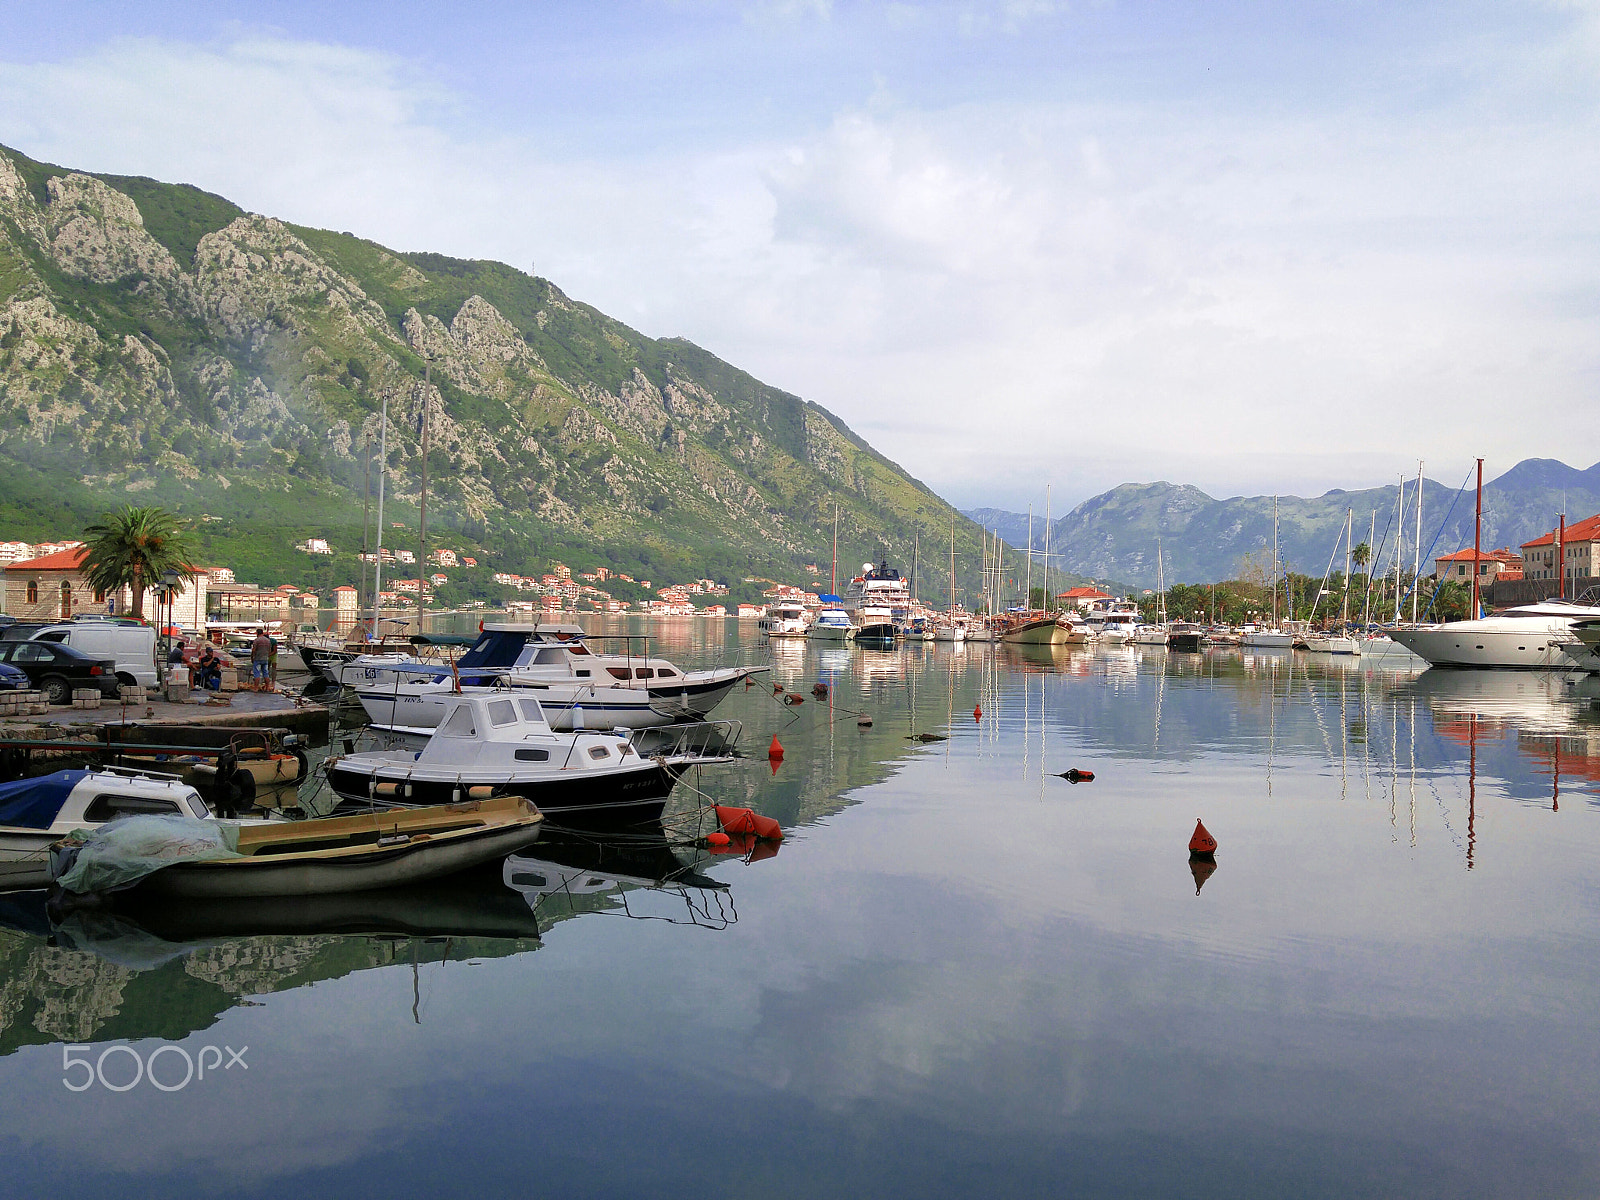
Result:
pixel 261 661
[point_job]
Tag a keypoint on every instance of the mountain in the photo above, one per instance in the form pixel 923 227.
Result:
pixel 160 345
pixel 1114 534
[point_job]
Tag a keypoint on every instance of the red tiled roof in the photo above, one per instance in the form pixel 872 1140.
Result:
pixel 1083 593
pixel 1586 530
pixel 61 560
pixel 1501 555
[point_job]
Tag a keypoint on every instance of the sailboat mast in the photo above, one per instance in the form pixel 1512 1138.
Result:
pixel 1274 562
pixel 1028 602
pixel 1349 528
pixel 1416 548
pixel 833 571
pixel 1372 532
pixel 1399 543
pixel 952 569
pixel 1047 604
pixel 383 471
pixel 1477 540
pixel 422 507
pixel 366 517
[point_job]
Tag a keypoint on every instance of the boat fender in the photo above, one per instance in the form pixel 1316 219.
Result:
pixel 776 749
pixel 717 838
pixel 1202 846
pixel 385 789
pixel 480 791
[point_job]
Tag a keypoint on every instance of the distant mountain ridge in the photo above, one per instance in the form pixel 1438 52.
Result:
pixel 1204 540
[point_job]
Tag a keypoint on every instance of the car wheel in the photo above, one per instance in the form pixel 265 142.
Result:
pixel 126 680
pixel 57 690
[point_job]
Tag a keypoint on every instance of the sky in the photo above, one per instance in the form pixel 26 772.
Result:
pixel 1254 247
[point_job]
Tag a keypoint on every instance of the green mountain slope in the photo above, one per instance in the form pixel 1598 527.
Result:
pixel 158 344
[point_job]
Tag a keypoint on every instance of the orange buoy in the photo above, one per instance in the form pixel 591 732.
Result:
pixel 977 712
pixel 791 699
pixel 777 689
pixel 1202 845
pixel 717 838
pixel 776 749
pixel 748 821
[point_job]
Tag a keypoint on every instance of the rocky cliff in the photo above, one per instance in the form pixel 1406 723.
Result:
pixel 159 344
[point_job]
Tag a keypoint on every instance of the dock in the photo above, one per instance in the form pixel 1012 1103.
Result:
pixel 252 709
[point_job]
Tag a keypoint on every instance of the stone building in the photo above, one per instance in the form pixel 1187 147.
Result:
pixel 53 588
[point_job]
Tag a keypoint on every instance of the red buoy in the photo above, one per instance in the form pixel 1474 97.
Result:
pixel 1202 845
pixel 717 838
pixel 748 821
pixel 776 749
pixel 977 712
pixel 777 688
pixel 792 699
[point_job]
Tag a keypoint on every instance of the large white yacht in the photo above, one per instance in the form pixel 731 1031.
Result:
pixel 878 601
pixel 1531 636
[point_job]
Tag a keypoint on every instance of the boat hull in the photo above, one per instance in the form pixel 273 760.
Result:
pixel 413 863
pixel 633 795
pixel 831 633
pixel 1538 646
pixel 1037 633
pixel 1267 641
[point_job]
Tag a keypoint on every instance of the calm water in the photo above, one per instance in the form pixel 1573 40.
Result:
pixel 960 975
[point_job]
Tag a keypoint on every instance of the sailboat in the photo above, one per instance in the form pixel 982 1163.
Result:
pixel 833 623
pixel 953 628
pixel 1042 629
pixel 1275 637
pixel 1323 642
pixel 1156 635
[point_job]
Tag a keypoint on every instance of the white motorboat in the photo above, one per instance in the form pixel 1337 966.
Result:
pixel 1332 643
pixel 1537 636
pixel 833 623
pixel 501 745
pixel 785 621
pixel 1113 621
pixel 577 687
pixel 1185 635
pixel 1265 639
pixel 1150 635
pixel 36 812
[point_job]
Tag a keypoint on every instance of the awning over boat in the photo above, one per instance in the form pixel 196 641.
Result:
pixel 34 803
pixel 829 600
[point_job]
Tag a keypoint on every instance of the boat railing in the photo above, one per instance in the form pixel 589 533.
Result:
pixel 701 739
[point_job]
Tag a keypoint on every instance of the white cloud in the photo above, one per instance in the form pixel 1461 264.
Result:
pixel 998 292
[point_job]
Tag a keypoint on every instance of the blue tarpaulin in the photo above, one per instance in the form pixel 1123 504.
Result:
pixel 34 803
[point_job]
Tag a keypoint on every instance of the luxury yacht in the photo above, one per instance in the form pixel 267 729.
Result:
pixel 1537 636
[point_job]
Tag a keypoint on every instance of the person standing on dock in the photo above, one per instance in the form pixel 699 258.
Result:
pixel 261 651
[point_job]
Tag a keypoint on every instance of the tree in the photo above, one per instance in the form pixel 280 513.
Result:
pixel 133 548
pixel 1361 555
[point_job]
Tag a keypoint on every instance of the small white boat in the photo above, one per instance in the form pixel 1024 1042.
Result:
pixel 1150 635
pixel 1332 643
pixel 833 623
pixel 785 621
pixel 35 813
pixel 500 744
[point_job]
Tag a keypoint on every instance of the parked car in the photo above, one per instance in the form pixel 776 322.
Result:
pixel 56 670
pixel 13 680
pixel 130 644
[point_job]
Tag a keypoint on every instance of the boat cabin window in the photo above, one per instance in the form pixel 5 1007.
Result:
pixel 527 755
pixel 459 723
pixel 108 805
pixel 599 752
pixel 577 648
pixel 581 674
pixel 619 672
pixel 549 657
pixel 666 673
pixel 502 712
pixel 643 673
pixel 531 710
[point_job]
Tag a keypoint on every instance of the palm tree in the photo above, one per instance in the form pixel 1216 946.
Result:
pixel 134 548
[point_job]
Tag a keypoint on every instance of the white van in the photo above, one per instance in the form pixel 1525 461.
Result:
pixel 132 647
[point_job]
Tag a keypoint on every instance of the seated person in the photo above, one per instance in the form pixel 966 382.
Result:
pixel 208 671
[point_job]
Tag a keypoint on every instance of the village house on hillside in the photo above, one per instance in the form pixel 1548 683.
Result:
pixel 1580 550
pixel 53 588
pixel 1083 597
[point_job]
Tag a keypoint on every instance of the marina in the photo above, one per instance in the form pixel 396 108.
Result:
pixel 1096 969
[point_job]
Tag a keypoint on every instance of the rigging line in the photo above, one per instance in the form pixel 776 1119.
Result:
pixel 1437 535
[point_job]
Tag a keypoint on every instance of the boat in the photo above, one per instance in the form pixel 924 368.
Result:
pixel 324 856
pixel 878 602
pixel 1156 634
pixel 1113 621
pixel 1547 635
pixel 785 621
pixel 1265 639
pixel 1185 635
pixel 553 662
pixel 1331 642
pixel 1031 630
pixel 833 624
pixel 501 744
pixel 37 812
pixel 1150 635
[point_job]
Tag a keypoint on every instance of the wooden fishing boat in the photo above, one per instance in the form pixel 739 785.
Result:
pixel 380 849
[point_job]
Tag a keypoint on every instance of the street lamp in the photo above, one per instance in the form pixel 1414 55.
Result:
pixel 168 592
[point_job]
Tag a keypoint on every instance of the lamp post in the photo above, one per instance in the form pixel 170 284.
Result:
pixel 168 592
